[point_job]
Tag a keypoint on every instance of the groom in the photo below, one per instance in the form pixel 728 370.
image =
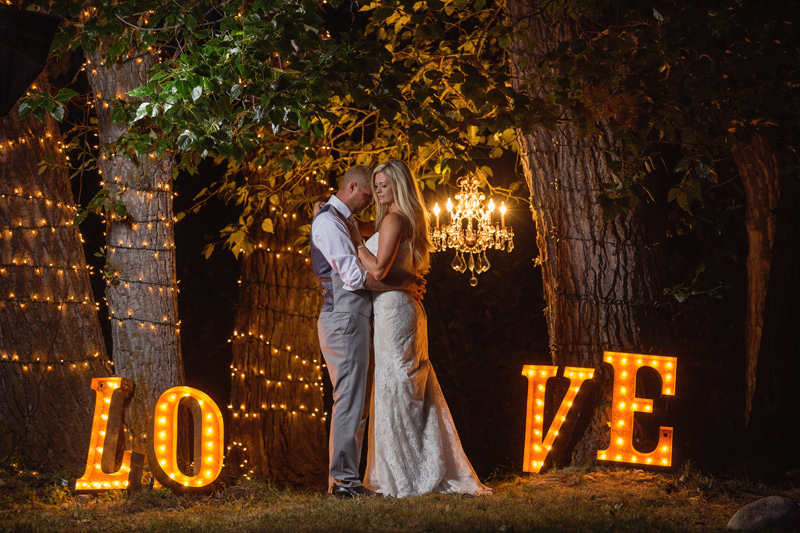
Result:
pixel 345 323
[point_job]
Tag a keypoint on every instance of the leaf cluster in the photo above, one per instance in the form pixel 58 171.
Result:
pixel 268 90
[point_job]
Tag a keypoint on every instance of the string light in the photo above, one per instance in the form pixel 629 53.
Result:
pixel 49 366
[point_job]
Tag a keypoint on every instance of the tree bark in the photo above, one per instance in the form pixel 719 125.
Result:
pixel 278 422
pixel 773 433
pixel 140 252
pixel 759 165
pixel 602 279
pixel 51 343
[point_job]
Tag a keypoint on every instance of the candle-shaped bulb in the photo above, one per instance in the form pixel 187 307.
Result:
pixel 503 214
pixel 436 209
pixel 449 205
pixel 491 205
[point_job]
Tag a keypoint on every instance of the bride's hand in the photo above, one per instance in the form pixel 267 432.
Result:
pixel 317 206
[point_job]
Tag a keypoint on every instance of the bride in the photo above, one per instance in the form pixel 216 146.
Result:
pixel 413 444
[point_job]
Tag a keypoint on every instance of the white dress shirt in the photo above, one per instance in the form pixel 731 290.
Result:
pixel 331 236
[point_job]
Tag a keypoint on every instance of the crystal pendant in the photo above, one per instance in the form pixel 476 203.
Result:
pixel 458 263
pixel 472 264
pixel 484 264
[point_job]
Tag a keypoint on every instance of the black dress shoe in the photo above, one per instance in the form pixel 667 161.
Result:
pixel 341 491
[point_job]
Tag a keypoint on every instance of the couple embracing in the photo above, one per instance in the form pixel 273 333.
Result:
pixel 413 446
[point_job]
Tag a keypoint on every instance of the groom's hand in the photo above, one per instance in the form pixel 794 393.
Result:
pixel 415 287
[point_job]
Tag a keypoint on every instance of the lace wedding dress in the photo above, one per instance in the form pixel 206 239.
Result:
pixel 413 444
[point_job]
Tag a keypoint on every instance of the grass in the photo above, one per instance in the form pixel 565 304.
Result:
pixel 571 499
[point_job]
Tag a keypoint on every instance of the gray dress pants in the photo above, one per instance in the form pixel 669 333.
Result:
pixel 345 339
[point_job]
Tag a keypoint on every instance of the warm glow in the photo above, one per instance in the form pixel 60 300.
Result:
pixel 208 436
pixel 536 447
pixel 625 404
pixel 112 396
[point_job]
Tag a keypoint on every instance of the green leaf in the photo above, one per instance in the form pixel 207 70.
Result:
pixel 683 202
pixel 673 193
pixel 381 14
pixel 683 165
pixel 186 140
pixel 142 111
pixel 702 169
pixel 65 94
pixel 120 209
pixel 58 113
pixel 267 226
pixel 139 92
pixel 116 49
pixel 197 92
pixel 118 114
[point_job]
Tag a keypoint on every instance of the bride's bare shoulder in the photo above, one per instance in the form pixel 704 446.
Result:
pixel 395 221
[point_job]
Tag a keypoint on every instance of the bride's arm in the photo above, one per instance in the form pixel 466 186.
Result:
pixel 392 230
pixel 413 285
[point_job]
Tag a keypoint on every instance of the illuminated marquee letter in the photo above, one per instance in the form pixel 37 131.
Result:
pixel 113 396
pixel 625 404
pixel 208 440
pixel 537 446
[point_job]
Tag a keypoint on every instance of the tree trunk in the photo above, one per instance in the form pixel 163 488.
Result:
pixel 142 293
pixel 760 167
pixel 773 432
pixel 51 344
pixel 601 278
pixel 278 422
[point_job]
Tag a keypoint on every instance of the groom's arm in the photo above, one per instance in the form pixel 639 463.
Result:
pixel 332 238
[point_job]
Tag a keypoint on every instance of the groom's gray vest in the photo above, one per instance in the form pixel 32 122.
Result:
pixel 334 296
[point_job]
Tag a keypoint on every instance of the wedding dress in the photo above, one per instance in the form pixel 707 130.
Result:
pixel 413 445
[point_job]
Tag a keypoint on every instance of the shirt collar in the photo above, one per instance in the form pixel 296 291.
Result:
pixel 340 206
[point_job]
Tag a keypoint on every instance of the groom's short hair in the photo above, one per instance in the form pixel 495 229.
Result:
pixel 360 174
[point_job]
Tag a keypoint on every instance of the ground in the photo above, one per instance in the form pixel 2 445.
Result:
pixel 571 499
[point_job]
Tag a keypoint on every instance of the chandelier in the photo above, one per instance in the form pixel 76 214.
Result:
pixel 471 229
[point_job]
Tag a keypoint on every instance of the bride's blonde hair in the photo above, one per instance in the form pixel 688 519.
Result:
pixel 411 205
